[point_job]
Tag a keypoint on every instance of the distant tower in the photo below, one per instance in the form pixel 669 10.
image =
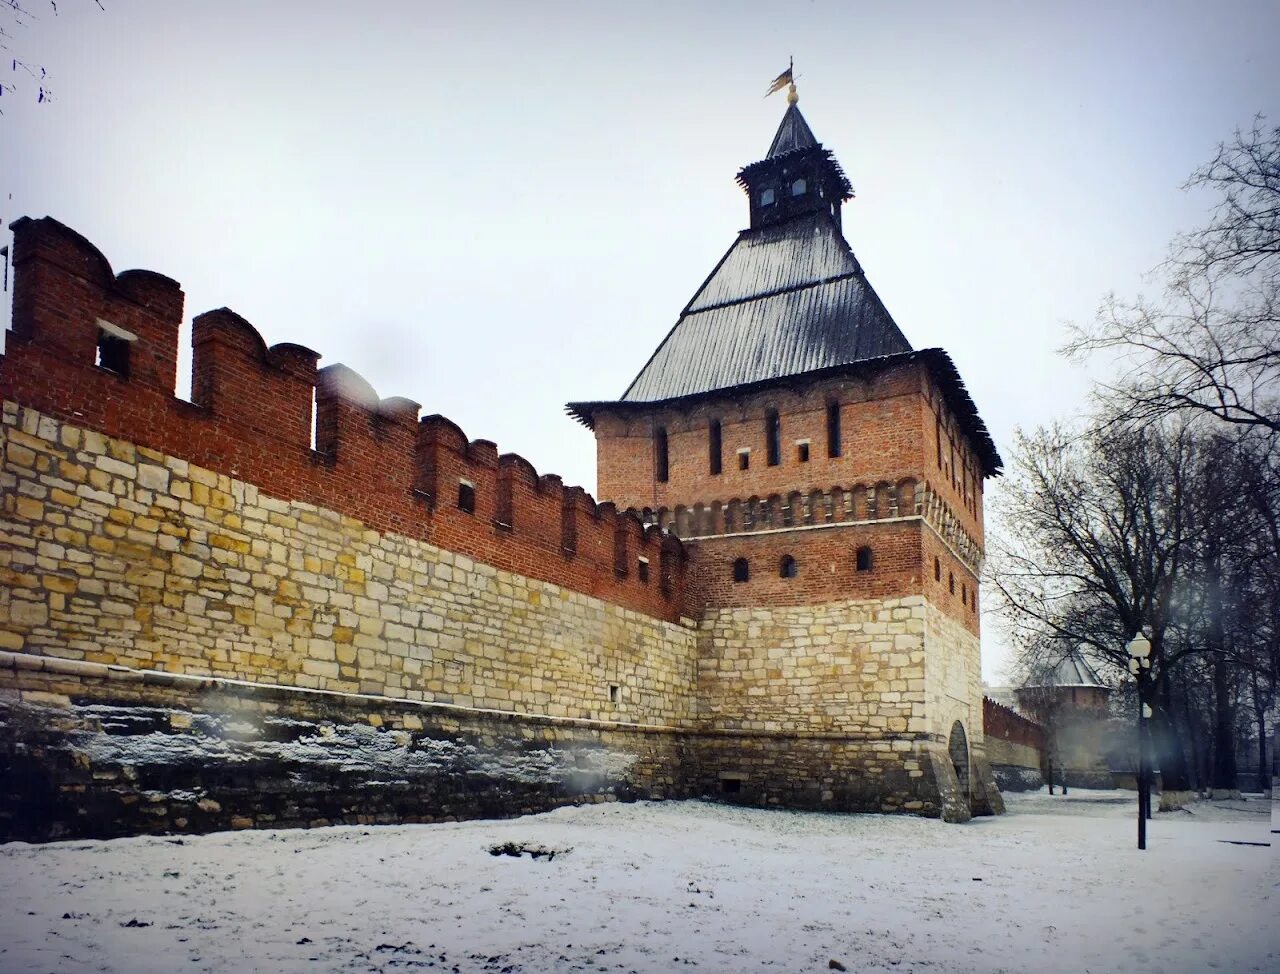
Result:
pixel 1071 703
pixel 827 480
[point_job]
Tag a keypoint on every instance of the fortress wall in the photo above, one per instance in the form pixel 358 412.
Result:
pixel 372 461
pixel 121 554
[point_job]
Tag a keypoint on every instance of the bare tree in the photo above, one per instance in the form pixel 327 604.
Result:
pixel 1093 547
pixel 1210 344
pixel 24 69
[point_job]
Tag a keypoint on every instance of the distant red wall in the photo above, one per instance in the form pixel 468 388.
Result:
pixel 1005 724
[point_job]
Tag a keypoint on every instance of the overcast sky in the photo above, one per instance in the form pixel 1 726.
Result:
pixel 494 208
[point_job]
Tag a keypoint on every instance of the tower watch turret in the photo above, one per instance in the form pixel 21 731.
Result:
pixel 796 176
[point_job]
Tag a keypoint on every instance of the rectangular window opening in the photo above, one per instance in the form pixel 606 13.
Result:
pixel 615 693
pixel 744 459
pixel 643 569
pixel 714 447
pixel 802 451
pixel 466 496
pixel 662 457
pixel 730 786
pixel 773 436
pixel 113 354
pixel 833 429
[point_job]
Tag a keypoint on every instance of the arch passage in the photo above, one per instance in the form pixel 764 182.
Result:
pixel 958 748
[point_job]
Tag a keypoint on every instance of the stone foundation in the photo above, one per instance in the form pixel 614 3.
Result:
pixel 87 753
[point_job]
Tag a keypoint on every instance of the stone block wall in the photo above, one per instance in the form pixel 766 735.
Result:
pixel 851 667
pixel 120 554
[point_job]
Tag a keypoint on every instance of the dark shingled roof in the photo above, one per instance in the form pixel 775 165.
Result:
pixel 1071 671
pixel 794 133
pixel 785 300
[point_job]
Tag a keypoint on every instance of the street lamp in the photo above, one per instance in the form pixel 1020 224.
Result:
pixel 1139 663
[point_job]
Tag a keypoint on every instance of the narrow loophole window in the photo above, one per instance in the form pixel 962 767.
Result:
pixel 833 429
pixel 951 582
pixel 661 457
pixel 642 569
pixel 714 447
pixel 615 693
pixel 937 570
pixel 773 434
pixel 863 559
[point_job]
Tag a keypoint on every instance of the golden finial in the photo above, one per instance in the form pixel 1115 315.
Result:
pixel 792 97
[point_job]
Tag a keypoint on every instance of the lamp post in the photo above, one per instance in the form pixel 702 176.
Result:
pixel 1139 663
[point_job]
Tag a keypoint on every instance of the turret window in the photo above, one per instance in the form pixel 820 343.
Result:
pixel 799 187
pixel 714 447
pixel 661 457
pixel 766 197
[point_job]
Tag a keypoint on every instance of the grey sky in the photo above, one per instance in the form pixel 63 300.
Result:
pixel 496 208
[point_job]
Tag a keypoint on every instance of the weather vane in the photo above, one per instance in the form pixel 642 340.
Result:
pixel 786 80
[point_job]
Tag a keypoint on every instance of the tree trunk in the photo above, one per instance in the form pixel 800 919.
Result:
pixel 1264 776
pixel 1224 743
pixel 1197 766
pixel 1173 765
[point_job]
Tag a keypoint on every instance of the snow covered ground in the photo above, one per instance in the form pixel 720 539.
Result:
pixel 1055 885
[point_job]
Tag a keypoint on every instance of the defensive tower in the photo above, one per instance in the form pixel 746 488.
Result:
pixel 827 480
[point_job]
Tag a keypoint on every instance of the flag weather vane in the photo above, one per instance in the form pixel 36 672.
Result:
pixel 785 80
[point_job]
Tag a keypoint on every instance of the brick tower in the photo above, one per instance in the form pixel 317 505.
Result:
pixel 827 481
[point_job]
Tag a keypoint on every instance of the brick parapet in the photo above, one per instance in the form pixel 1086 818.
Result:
pixel 252 416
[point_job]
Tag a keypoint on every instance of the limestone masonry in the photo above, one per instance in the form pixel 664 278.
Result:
pixel 211 617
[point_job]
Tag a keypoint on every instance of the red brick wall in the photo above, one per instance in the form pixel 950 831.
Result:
pixel 882 438
pixel 951 467
pixel 825 560
pixel 827 569
pixel 375 461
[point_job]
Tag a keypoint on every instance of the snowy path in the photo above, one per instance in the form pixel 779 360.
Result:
pixel 1056 885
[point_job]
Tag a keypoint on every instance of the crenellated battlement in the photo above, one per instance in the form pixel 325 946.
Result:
pixel 100 350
